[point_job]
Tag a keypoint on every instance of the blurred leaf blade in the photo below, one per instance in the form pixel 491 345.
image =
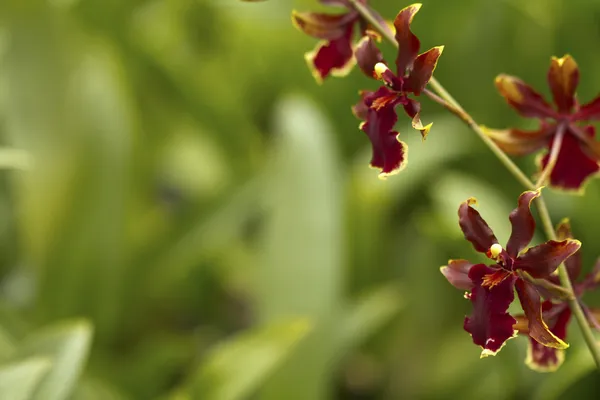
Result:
pixel 301 273
pixel 235 368
pixel 19 379
pixel 67 345
pixel 370 313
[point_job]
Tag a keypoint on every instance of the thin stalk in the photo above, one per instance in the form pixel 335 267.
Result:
pixel 446 99
pixel 554 151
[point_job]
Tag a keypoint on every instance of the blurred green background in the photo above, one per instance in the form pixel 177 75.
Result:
pixel 185 214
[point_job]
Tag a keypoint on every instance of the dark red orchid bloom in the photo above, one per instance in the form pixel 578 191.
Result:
pixel 579 152
pixel 334 54
pixel 378 108
pixel 557 313
pixel 492 286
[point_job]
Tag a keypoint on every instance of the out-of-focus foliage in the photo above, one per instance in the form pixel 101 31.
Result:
pixel 172 174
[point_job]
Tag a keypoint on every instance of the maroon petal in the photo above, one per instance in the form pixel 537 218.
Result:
pixel 341 3
pixel 573 165
pixel 422 70
pixel 563 78
pixel 547 359
pixel 323 26
pixel 532 306
pixel 413 110
pixel 573 263
pixel 457 273
pixel 475 229
pixel 523 224
pixel 542 260
pixel 408 43
pixel 523 97
pixel 490 325
pixel 589 111
pixel 389 153
pixel 334 57
pixel 367 55
pixel 361 109
pixel 520 142
pixel 591 280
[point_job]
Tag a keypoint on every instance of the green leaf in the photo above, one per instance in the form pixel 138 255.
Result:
pixel 15 159
pixel 7 344
pixel 301 272
pixel 370 313
pixel 18 380
pixel 237 367
pixel 67 346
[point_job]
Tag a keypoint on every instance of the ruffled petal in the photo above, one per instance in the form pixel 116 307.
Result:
pixel 490 325
pixel 457 273
pixel 542 260
pixel 408 43
pixel 589 111
pixel 367 55
pixel 523 224
pixel 547 359
pixel 413 110
pixel 573 165
pixel 323 26
pixel 523 98
pixel 334 57
pixel 563 78
pixel 519 142
pixel 475 229
pixel 389 153
pixel 422 70
pixel 532 306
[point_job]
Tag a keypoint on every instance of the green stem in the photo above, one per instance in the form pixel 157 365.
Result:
pixel 554 151
pixel 444 98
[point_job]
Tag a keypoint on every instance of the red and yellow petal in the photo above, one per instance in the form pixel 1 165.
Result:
pixel 547 359
pixel 532 306
pixel 408 43
pixel 422 70
pixel 589 111
pixel 522 222
pixel 457 273
pixel 563 78
pixel 389 152
pixel 518 142
pixel 323 26
pixel 490 325
pixel 334 57
pixel 367 55
pixel 573 165
pixel 523 97
pixel 475 229
pixel 542 260
pixel 413 110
